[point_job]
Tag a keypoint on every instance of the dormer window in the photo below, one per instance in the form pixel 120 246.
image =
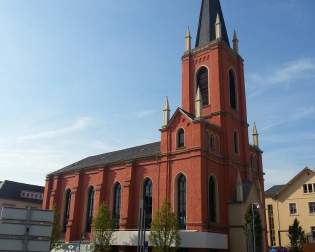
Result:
pixel 203 85
pixel 180 138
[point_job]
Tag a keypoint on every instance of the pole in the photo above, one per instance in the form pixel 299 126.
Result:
pixel 140 228
pixel 254 235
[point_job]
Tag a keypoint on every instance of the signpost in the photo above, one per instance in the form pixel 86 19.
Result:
pixel 25 230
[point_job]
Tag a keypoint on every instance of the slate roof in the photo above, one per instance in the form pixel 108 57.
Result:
pixel 274 191
pixel 207 19
pixel 134 153
pixel 12 190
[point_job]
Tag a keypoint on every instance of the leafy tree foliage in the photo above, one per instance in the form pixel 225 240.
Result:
pixel 56 230
pixel 164 230
pixel 297 237
pixel 102 230
pixel 258 227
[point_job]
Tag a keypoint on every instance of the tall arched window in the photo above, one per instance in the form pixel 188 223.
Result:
pixel 181 201
pixel 147 202
pixel 233 92
pixel 89 209
pixel 180 138
pixel 66 211
pixel 202 83
pixel 116 205
pixel 212 200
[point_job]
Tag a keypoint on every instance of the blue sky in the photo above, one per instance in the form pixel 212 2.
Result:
pixel 83 77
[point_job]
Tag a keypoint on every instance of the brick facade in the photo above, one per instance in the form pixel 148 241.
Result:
pixel 197 161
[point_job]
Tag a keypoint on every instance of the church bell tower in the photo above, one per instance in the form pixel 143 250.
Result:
pixel 216 69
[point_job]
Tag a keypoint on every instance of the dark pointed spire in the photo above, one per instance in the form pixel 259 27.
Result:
pixel 210 9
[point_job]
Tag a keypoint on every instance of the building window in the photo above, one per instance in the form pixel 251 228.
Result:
pixel 202 84
pixel 116 205
pixel 66 211
pixel 305 188
pixel 180 138
pixel 147 203
pixel 310 188
pixel 236 142
pixel 90 209
pixel 212 200
pixel 232 87
pixel 181 201
pixel 271 226
pixel 311 207
pixel 292 208
pixel 313 233
pixel 212 142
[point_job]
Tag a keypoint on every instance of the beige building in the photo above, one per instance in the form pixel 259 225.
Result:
pixel 284 203
pixel 19 195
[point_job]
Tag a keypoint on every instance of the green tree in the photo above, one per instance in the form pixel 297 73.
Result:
pixel 258 227
pixel 56 230
pixel 102 230
pixel 164 230
pixel 297 237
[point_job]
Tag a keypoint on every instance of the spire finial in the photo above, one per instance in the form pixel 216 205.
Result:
pixel 255 136
pixel 188 40
pixel 235 42
pixel 198 104
pixel 218 27
pixel 166 113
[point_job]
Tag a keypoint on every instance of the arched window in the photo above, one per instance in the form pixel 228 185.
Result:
pixel 233 92
pixel 235 142
pixel 89 209
pixel 202 83
pixel 116 205
pixel 212 200
pixel 181 201
pixel 180 138
pixel 66 211
pixel 147 202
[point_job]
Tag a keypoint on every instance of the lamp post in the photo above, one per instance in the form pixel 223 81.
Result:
pixel 256 206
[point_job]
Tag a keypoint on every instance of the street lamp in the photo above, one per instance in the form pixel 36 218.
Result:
pixel 254 206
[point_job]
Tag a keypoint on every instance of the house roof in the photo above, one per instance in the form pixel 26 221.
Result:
pixel 274 191
pixel 277 189
pixel 13 190
pixel 134 153
pixel 207 19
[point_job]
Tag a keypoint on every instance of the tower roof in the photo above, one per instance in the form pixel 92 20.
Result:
pixel 207 19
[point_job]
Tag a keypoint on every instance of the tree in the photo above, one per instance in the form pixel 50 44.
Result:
pixel 103 230
pixel 258 227
pixel 56 230
pixel 164 230
pixel 297 237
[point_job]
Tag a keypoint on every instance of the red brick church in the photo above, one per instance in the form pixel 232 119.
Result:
pixel 203 164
